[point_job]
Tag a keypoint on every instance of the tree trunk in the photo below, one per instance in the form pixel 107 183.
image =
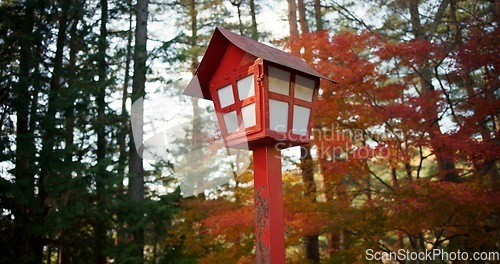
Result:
pixel 306 165
pixel 100 225
pixel 255 32
pixel 48 165
pixel 69 96
pixel 28 246
pixel 72 83
pixel 292 19
pixel 306 162
pixel 136 169
pixel 122 134
pixel 302 17
pixel 193 14
pixel 122 146
pixel 318 15
pixel 195 142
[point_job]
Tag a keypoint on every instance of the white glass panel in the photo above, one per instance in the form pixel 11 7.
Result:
pixel 226 96
pixel 304 88
pixel 246 87
pixel 279 81
pixel 300 120
pixel 231 120
pixel 248 115
pixel 278 115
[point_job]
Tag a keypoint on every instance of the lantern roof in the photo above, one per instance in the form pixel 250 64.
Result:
pixel 220 41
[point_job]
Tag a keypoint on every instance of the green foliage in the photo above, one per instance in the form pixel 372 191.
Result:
pixel 62 193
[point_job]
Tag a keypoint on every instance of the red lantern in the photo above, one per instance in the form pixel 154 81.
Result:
pixel 261 95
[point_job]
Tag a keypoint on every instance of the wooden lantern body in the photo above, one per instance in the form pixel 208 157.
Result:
pixel 261 95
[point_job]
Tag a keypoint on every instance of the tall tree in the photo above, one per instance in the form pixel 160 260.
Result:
pixel 444 160
pixel 307 171
pixel 50 176
pixel 311 240
pixel 124 129
pixel 255 32
pixel 304 27
pixel 292 19
pixel 100 127
pixel 318 16
pixel 136 169
pixel 27 210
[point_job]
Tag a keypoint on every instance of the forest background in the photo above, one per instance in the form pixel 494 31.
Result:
pixel 405 153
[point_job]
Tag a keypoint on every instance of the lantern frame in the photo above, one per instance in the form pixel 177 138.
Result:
pixel 289 135
pixel 230 56
pixel 231 79
pixel 262 132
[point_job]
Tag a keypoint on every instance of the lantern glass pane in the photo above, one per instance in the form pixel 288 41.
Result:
pixel 248 115
pixel 278 115
pixel 304 88
pixel 279 81
pixel 225 96
pixel 300 120
pixel 246 87
pixel 231 121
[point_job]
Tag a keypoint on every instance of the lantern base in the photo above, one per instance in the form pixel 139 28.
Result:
pixel 277 144
pixel 258 139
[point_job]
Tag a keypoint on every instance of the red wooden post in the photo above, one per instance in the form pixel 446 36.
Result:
pixel 269 226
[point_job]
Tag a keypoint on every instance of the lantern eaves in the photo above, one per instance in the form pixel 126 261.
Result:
pixel 220 41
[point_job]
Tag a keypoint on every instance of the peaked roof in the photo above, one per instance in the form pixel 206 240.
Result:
pixel 221 38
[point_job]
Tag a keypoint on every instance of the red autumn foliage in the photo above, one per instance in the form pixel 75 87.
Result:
pixel 382 183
